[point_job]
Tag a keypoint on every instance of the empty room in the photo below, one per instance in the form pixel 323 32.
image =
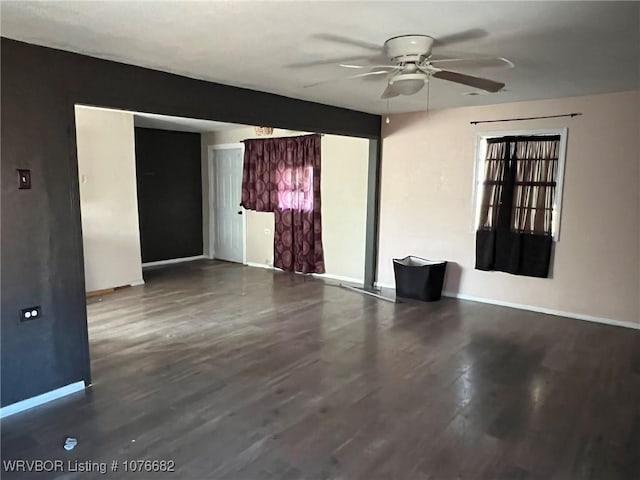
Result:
pixel 320 240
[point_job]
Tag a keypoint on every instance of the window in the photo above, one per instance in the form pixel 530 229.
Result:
pixel 534 186
pixel 518 193
pixel 295 190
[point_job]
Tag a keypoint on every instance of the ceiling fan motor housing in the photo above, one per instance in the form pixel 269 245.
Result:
pixel 409 48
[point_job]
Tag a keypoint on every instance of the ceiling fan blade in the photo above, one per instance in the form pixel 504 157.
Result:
pixel 471 34
pixel 379 72
pixel 389 92
pixel 348 41
pixel 477 82
pixel 389 67
pixel 377 78
pixel 330 61
pixel 487 62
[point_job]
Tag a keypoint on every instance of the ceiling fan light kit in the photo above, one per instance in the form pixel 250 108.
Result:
pixel 407 83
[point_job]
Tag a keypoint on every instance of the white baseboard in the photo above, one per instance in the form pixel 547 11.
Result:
pixel 137 282
pixel 532 308
pixel 392 286
pixel 172 261
pixel 259 265
pixel 40 399
pixel 340 278
pixel 316 275
pixel 548 311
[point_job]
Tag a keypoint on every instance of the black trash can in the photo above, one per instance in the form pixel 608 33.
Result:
pixel 419 278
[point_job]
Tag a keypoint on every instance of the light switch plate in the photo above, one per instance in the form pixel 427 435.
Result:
pixel 24 179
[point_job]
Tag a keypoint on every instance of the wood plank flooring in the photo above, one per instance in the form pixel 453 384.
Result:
pixel 235 372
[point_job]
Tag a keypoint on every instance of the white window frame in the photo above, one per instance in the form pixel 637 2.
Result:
pixel 479 167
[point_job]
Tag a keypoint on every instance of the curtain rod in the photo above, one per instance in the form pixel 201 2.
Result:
pixel 289 136
pixel 525 118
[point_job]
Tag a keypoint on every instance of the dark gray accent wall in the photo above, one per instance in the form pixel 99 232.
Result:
pixel 169 180
pixel 41 249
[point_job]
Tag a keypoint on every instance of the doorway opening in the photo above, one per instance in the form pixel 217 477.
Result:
pixel 157 190
pixel 200 233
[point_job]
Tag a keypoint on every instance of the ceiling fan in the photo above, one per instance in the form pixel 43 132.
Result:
pixel 412 64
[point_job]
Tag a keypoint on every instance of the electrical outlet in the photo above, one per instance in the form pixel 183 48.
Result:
pixel 30 313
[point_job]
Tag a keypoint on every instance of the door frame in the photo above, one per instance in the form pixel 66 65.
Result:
pixel 211 182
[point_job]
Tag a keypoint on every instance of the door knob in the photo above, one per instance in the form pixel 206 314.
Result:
pixel 240 212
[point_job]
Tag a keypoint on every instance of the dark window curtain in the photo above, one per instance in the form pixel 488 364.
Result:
pixel 516 211
pixel 259 187
pixel 282 175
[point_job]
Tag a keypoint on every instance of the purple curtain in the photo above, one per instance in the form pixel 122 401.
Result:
pixel 282 175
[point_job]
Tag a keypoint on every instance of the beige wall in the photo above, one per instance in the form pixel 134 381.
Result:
pixel 426 203
pixel 344 196
pixel 108 198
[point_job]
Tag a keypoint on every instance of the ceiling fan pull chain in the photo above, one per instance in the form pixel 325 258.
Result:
pixel 428 95
pixel 387 119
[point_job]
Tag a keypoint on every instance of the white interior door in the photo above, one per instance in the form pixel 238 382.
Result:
pixel 229 218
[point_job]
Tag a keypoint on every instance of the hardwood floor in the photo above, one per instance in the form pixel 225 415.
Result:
pixel 239 372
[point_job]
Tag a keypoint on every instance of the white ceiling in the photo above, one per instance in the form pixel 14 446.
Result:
pixel 180 124
pixel 558 48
